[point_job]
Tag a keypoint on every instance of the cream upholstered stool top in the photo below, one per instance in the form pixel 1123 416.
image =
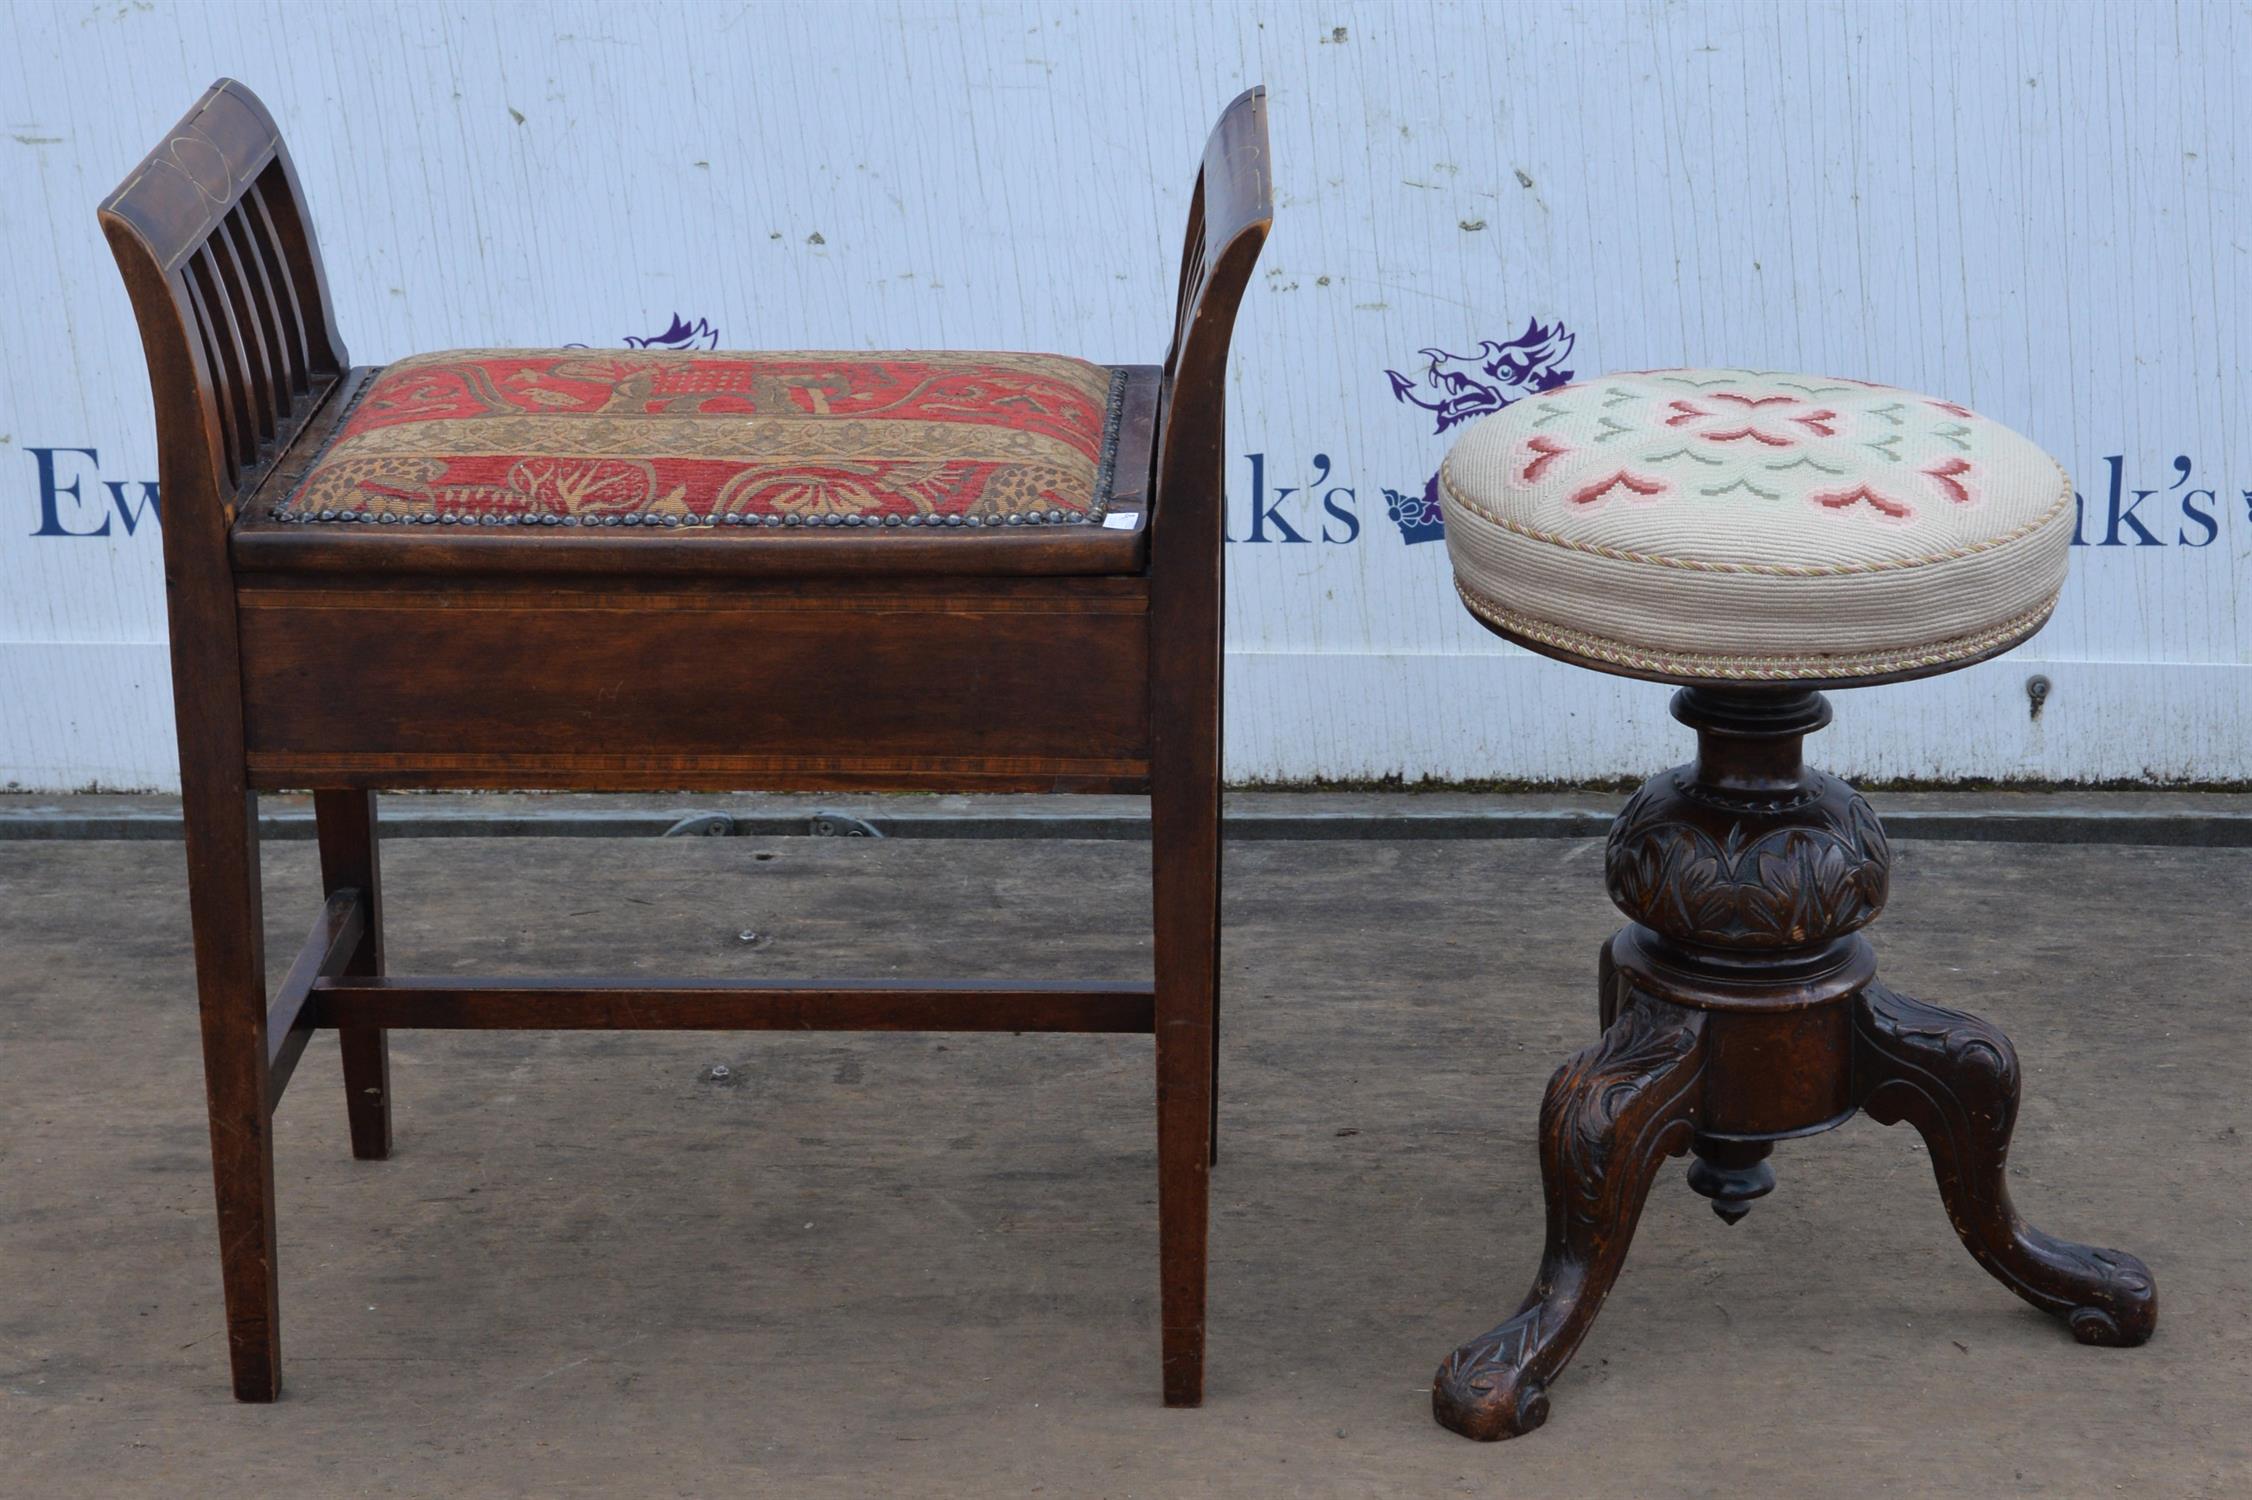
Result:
pixel 1754 526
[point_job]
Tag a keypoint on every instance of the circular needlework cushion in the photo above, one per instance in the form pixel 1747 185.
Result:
pixel 1752 525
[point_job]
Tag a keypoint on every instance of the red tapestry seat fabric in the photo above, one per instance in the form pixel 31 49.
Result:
pixel 666 439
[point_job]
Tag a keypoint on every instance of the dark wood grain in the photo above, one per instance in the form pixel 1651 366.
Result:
pixel 339 932
pixel 1740 1008
pixel 1611 1116
pixel 157 223
pixel 553 683
pixel 1233 207
pixel 1955 1078
pixel 344 822
pixel 348 659
pixel 544 1004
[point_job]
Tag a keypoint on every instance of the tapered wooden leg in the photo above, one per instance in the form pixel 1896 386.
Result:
pixel 1611 1116
pixel 1185 876
pixel 1219 741
pixel 345 821
pixel 1184 853
pixel 1955 1078
pixel 224 905
pixel 1212 1155
pixel 1186 592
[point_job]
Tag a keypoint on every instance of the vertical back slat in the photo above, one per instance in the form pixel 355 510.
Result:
pixel 1192 272
pixel 287 300
pixel 208 344
pixel 284 217
pixel 248 315
pixel 231 373
pixel 281 376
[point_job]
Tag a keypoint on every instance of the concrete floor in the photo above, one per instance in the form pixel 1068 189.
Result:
pixel 926 1265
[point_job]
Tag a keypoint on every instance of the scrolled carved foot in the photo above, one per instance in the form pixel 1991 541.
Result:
pixel 1955 1078
pixel 1485 1391
pixel 2121 1310
pixel 1612 1114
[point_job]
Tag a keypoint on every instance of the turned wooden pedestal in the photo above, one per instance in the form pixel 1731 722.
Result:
pixel 1740 1007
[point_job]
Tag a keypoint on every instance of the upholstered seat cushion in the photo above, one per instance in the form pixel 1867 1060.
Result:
pixel 562 438
pixel 1752 525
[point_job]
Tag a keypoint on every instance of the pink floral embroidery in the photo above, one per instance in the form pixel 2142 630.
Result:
pixel 1859 453
pixel 1737 434
pixel 1772 422
pixel 1947 473
pixel 1549 450
pixel 1841 500
pixel 1634 484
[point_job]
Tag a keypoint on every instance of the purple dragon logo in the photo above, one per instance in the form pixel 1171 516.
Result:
pixel 1457 387
pixel 679 335
pixel 697 335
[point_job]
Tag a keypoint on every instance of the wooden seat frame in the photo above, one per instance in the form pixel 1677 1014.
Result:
pixel 939 663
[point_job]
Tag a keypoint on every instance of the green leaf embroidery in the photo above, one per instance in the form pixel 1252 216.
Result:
pixel 1740 482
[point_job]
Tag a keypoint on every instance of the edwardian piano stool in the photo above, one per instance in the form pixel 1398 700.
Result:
pixel 658 570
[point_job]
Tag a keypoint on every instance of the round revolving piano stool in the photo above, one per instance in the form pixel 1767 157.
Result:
pixel 1755 537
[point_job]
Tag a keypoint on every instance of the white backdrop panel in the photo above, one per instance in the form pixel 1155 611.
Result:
pixel 2038 209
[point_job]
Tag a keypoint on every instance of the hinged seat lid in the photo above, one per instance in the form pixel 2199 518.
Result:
pixel 546 451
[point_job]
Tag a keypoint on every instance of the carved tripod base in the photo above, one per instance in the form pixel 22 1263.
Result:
pixel 1740 1008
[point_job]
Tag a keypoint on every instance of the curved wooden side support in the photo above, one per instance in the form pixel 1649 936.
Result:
pixel 1229 214
pixel 1955 1078
pixel 218 255
pixel 1230 211
pixel 1612 1114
